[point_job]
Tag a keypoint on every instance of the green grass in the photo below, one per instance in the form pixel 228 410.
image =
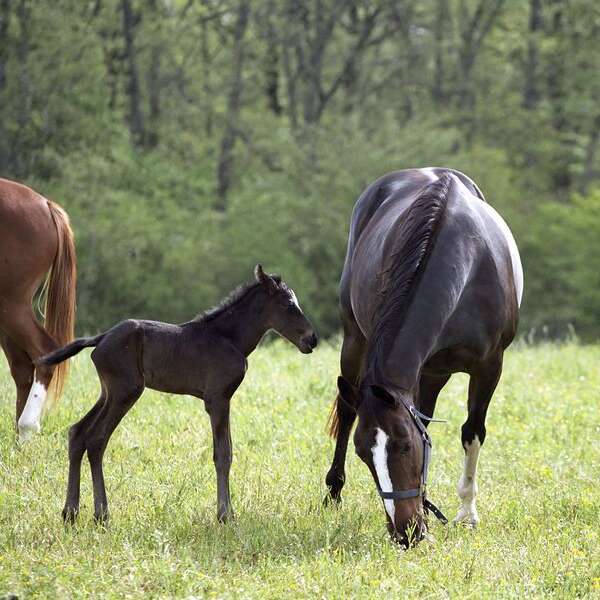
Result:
pixel 539 498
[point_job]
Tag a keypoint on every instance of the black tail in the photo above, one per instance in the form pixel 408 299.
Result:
pixel 69 350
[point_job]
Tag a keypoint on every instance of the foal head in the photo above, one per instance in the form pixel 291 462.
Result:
pixel 283 313
pixel 388 442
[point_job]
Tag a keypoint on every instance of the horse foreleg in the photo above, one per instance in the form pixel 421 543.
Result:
pixel 222 454
pixel 482 384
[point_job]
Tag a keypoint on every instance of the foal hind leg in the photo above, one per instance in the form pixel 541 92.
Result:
pixel 120 398
pixel 76 451
pixel 21 369
pixel 353 348
pixel 482 384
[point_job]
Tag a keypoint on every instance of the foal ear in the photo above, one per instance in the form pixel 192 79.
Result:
pixel 265 279
pixel 348 393
pixel 382 394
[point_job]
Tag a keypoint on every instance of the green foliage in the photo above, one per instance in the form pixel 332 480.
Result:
pixel 136 138
pixel 538 494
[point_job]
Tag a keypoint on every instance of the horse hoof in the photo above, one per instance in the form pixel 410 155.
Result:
pixel 467 520
pixel 27 430
pixel 331 500
pixel 69 515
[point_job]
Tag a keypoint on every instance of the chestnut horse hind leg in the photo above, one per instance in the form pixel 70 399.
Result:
pixel 25 340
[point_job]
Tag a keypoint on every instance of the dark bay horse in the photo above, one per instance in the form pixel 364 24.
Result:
pixel 205 357
pixel 431 286
pixel 35 238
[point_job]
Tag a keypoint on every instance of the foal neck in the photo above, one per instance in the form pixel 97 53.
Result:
pixel 244 322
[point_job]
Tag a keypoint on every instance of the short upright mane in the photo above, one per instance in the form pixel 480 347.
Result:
pixel 416 237
pixel 231 300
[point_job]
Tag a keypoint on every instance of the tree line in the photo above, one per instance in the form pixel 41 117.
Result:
pixel 190 139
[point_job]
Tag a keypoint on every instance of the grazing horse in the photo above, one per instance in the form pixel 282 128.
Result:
pixel 205 357
pixel 431 286
pixel 35 238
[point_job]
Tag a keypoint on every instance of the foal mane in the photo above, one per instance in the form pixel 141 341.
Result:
pixel 235 297
pixel 416 236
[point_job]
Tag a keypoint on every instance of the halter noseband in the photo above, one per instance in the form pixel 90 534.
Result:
pixel 421 491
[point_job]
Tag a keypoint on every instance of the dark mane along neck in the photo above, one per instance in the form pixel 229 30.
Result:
pixel 416 237
pixel 231 301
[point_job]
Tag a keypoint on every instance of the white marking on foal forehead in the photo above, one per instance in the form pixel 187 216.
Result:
pixel 294 298
pixel 380 463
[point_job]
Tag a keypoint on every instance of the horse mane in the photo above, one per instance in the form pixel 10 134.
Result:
pixel 232 299
pixel 416 236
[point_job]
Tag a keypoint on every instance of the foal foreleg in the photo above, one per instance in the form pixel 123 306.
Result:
pixel 222 454
pixel 481 388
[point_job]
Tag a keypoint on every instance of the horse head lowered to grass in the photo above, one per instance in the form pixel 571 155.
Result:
pixel 205 357
pixel 431 286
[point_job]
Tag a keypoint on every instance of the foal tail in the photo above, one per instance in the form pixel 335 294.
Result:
pixel 56 357
pixel 60 297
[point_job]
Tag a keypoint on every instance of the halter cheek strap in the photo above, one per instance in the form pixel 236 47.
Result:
pixel 421 491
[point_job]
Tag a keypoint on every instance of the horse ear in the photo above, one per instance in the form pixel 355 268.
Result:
pixel 348 393
pixel 383 394
pixel 265 279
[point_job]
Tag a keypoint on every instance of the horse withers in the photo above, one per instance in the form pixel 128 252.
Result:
pixel 205 357
pixel 431 286
pixel 35 239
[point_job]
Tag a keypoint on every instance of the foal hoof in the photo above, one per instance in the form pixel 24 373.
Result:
pixel 69 515
pixel 225 515
pixel 101 518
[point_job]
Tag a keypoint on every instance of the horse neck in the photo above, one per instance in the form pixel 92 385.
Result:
pixel 244 323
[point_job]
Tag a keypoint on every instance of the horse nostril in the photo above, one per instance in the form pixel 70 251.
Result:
pixel 314 340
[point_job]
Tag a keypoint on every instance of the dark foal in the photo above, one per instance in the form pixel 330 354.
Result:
pixel 205 358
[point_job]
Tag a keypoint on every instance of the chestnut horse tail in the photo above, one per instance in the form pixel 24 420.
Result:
pixel 333 422
pixel 60 295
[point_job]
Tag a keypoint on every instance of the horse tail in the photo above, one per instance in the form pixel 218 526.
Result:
pixel 60 296
pixel 333 422
pixel 58 356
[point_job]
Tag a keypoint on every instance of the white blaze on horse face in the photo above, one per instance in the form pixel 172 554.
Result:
pixel 380 463
pixel 467 485
pixel 29 421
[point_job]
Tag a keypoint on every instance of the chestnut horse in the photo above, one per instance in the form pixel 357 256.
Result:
pixel 36 244
pixel 431 286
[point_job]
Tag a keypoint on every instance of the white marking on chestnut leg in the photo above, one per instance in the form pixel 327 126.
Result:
pixel 467 485
pixel 29 421
pixel 379 451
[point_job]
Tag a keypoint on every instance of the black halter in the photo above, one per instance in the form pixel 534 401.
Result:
pixel 421 491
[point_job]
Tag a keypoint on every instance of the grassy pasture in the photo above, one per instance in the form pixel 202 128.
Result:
pixel 539 497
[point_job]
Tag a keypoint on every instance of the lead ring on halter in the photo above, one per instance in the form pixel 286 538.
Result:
pixel 421 491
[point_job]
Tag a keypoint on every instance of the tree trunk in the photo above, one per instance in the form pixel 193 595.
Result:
pixel 234 100
pixel 4 46
pixel 442 19
pixel 531 94
pixel 24 108
pixel 135 116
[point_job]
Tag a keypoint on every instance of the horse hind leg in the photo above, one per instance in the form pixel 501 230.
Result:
pixel 76 451
pixel 21 369
pixel 482 384
pixel 29 337
pixel 120 398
